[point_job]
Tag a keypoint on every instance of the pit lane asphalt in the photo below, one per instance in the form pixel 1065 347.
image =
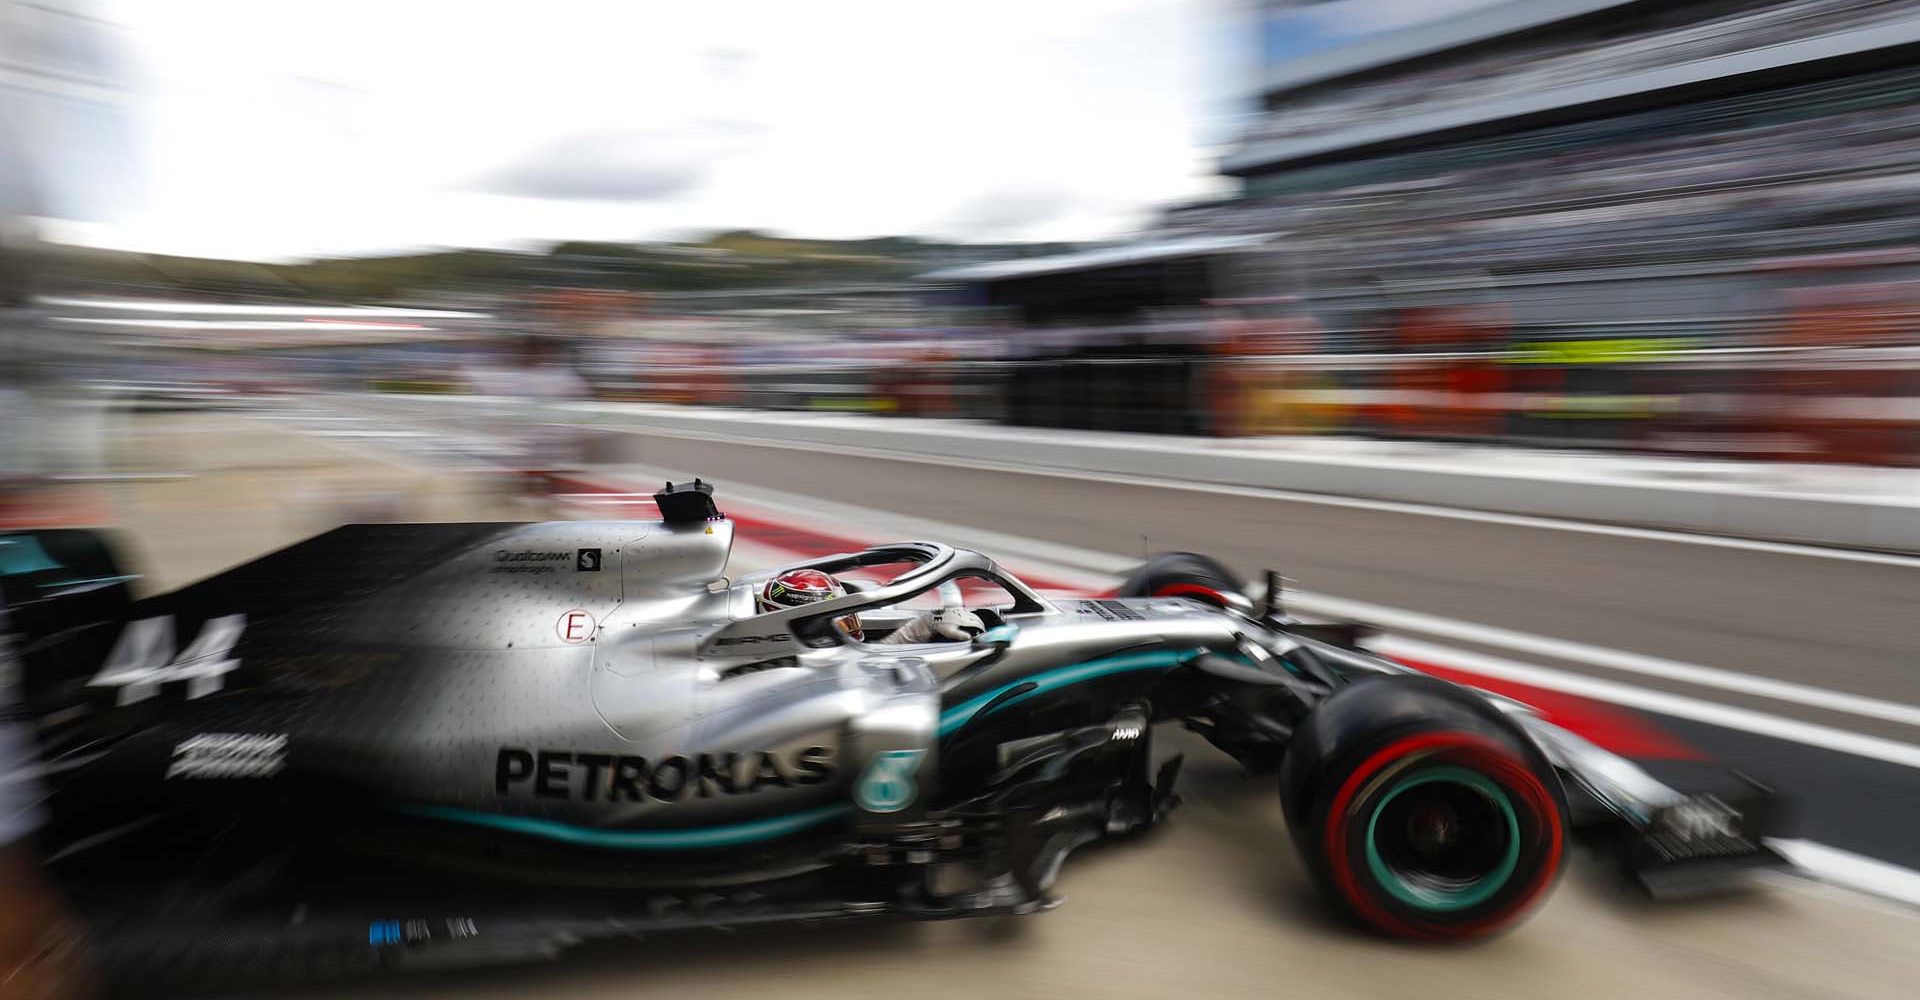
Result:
pixel 1211 904
pixel 1842 625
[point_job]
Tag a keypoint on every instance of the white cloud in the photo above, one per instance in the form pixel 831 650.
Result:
pixel 291 128
pixel 617 164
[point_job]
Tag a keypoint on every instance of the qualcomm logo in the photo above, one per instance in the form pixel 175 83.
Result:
pixel 887 783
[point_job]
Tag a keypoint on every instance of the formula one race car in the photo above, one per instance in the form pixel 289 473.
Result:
pixel 439 744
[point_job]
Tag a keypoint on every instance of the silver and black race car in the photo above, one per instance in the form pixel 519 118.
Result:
pixel 433 744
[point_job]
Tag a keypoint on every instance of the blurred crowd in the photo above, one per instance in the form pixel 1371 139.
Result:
pixel 1741 178
pixel 1819 362
pixel 1834 376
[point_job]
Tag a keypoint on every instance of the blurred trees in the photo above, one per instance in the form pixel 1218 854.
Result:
pixel 728 260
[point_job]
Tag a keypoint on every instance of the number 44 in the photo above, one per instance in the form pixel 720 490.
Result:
pixel 143 659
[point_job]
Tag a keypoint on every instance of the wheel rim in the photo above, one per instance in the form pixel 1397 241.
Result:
pixel 1427 839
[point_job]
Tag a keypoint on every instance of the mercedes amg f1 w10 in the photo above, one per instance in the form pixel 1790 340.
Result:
pixel 393 745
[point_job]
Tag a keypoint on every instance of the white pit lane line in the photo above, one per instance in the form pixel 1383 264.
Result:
pixel 1851 871
pixel 1680 706
pixel 1600 656
pixel 1828 865
pixel 1321 499
pixel 582 415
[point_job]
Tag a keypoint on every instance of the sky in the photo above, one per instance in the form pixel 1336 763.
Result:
pixel 1308 26
pixel 273 131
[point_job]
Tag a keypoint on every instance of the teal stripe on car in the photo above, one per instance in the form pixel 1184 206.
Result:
pixel 1050 680
pixel 23 554
pixel 730 835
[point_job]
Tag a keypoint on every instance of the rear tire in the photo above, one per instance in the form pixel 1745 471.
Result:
pixel 1184 574
pixel 1422 811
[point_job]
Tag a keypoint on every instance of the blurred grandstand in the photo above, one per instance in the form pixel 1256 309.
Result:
pixel 1679 226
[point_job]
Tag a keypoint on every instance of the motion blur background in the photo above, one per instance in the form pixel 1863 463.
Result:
pixel 270 267
pixel 1683 227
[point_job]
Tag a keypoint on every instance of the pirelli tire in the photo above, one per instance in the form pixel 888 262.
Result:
pixel 1183 574
pixel 1422 811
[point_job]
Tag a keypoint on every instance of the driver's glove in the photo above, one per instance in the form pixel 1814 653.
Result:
pixel 942 625
pixel 957 624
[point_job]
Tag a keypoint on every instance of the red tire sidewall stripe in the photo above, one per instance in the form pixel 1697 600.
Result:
pixel 1480 751
pixel 1205 593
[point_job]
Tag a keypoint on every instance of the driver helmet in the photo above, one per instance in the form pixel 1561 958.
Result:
pixel 800 587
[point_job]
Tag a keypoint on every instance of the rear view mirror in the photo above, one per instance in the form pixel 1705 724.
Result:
pixel 995 640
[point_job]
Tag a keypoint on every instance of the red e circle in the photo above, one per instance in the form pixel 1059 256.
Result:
pixel 575 626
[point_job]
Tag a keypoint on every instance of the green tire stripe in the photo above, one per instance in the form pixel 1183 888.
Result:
pixel 1445 900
